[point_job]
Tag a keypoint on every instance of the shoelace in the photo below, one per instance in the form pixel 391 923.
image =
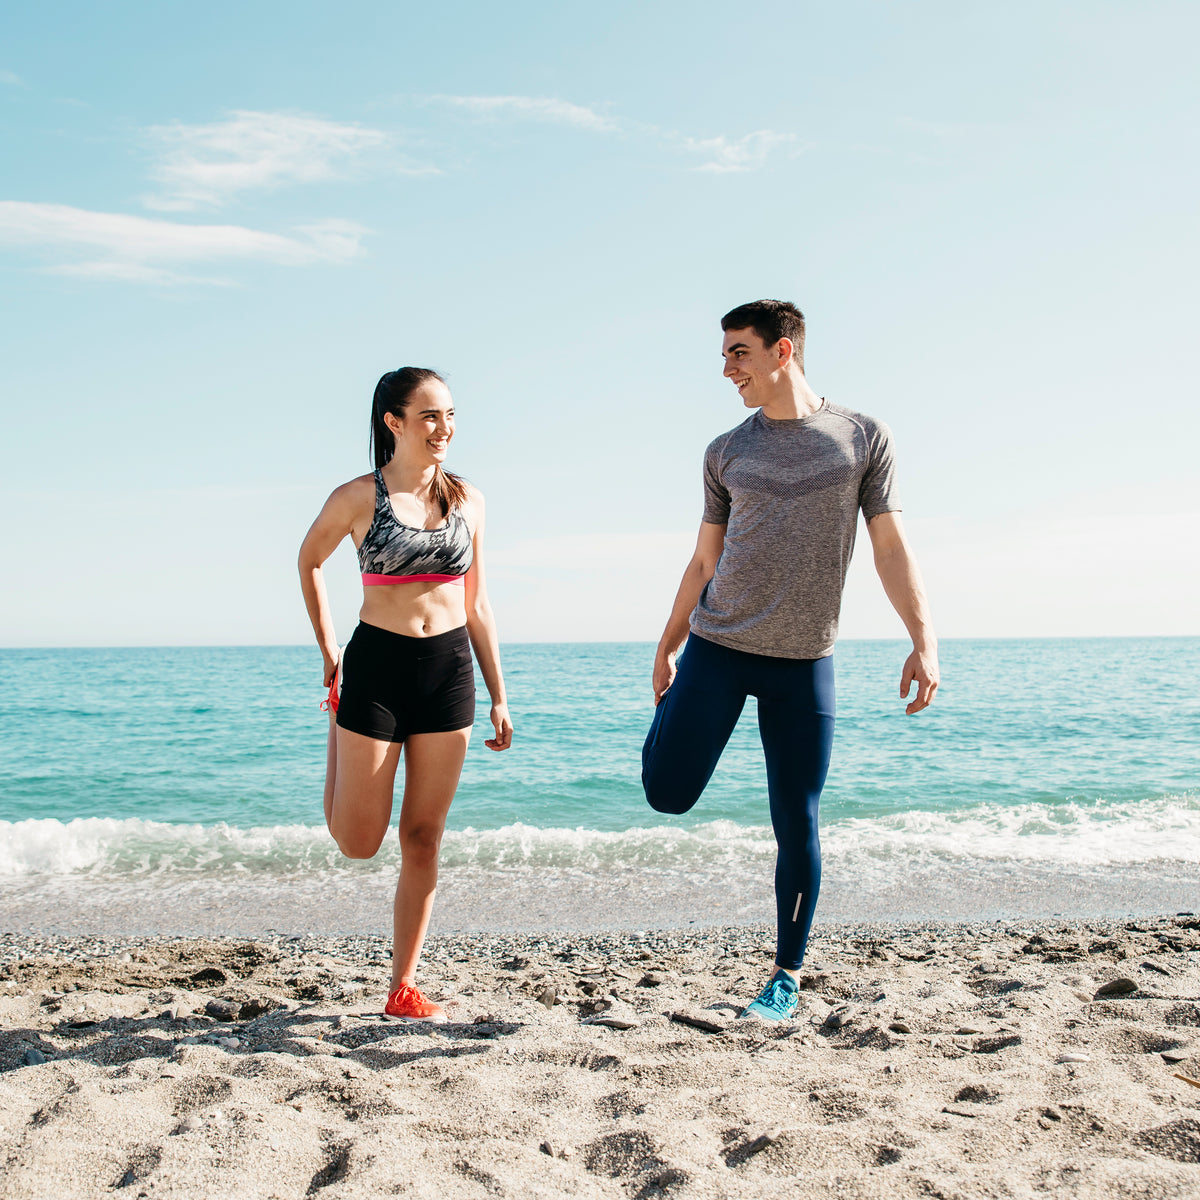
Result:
pixel 407 992
pixel 771 994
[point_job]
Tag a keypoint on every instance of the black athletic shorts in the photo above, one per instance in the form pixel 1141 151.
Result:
pixel 394 685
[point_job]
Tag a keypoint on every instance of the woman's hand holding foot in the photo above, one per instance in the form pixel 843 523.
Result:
pixel 502 723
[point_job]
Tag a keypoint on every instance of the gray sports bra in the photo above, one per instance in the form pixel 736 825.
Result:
pixel 396 553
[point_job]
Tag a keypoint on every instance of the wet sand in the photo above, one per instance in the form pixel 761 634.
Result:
pixel 359 901
pixel 1007 1059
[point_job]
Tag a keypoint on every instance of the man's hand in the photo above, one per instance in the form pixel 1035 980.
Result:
pixel 902 582
pixel 664 675
pixel 709 543
pixel 920 667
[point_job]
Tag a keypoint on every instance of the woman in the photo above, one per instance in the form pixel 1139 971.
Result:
pixel 406 679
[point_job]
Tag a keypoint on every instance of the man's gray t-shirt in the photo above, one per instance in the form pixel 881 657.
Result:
pixel 789 493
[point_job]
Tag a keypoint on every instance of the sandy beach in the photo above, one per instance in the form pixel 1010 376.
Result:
pixel 1009 1059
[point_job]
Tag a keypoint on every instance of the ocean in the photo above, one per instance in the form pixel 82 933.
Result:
pixel 179 790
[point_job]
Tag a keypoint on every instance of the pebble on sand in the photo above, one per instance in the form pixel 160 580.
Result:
pixel 840 1016
pixel 1116 987
pixel 701 1023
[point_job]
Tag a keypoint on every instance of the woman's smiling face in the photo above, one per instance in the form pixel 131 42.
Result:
pixel 427 424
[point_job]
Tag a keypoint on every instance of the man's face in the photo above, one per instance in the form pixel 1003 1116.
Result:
pixel 752 366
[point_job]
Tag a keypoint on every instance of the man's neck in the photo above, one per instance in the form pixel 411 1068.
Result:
pixel 792 398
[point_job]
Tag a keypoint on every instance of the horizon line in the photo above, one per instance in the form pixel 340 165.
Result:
pixel 1036 637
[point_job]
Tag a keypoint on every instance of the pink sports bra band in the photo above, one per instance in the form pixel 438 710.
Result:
pixel 392 552
pixel 370 580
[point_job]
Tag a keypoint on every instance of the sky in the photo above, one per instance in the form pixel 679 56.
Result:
pixel 220 224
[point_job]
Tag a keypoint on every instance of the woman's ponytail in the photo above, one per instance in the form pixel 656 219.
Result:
pixel 449 490
pixel 383 444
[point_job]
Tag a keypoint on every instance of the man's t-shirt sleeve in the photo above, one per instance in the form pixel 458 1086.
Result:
pixel 877 492
pixel 716 495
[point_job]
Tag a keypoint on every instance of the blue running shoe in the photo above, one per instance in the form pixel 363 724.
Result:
pixel 777 1001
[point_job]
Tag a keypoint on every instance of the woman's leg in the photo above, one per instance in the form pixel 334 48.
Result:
pixel 330 769
pixel 432 765
pixel 358 802
pixel 331 706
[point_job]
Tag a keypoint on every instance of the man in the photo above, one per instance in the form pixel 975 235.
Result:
pixel 761 596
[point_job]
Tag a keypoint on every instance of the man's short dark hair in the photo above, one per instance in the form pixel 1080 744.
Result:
pixel 771 320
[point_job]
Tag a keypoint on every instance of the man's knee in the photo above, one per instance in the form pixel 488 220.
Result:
pixel 667 798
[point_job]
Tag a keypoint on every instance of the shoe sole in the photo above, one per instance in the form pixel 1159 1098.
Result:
pixel 746 1013
pixel 442 1020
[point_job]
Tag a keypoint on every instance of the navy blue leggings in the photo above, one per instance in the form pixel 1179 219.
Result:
pixel 693 723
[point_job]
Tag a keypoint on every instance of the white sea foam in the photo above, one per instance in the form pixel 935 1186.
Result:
pixel 1075 834
pixel 1090 835
pixel 133 847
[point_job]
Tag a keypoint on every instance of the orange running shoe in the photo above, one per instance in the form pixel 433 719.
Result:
pixel 330 703
pixel 407 1004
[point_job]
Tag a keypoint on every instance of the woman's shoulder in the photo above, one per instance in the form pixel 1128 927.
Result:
pixel 354 493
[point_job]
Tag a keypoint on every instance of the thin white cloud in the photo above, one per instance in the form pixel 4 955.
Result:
pixel 747 153
pixel 532 108
pixel 206 165
pixel 720 154
pixel 141 249
pixel 11 78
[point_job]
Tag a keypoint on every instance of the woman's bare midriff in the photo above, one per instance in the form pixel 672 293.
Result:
pixel 414 609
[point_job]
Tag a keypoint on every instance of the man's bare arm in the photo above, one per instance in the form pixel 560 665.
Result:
pixel 901 579
pixel 709 544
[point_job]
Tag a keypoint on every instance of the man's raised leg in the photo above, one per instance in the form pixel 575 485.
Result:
pixel 691 726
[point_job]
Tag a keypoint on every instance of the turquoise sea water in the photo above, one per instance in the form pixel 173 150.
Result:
pixel 177 764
